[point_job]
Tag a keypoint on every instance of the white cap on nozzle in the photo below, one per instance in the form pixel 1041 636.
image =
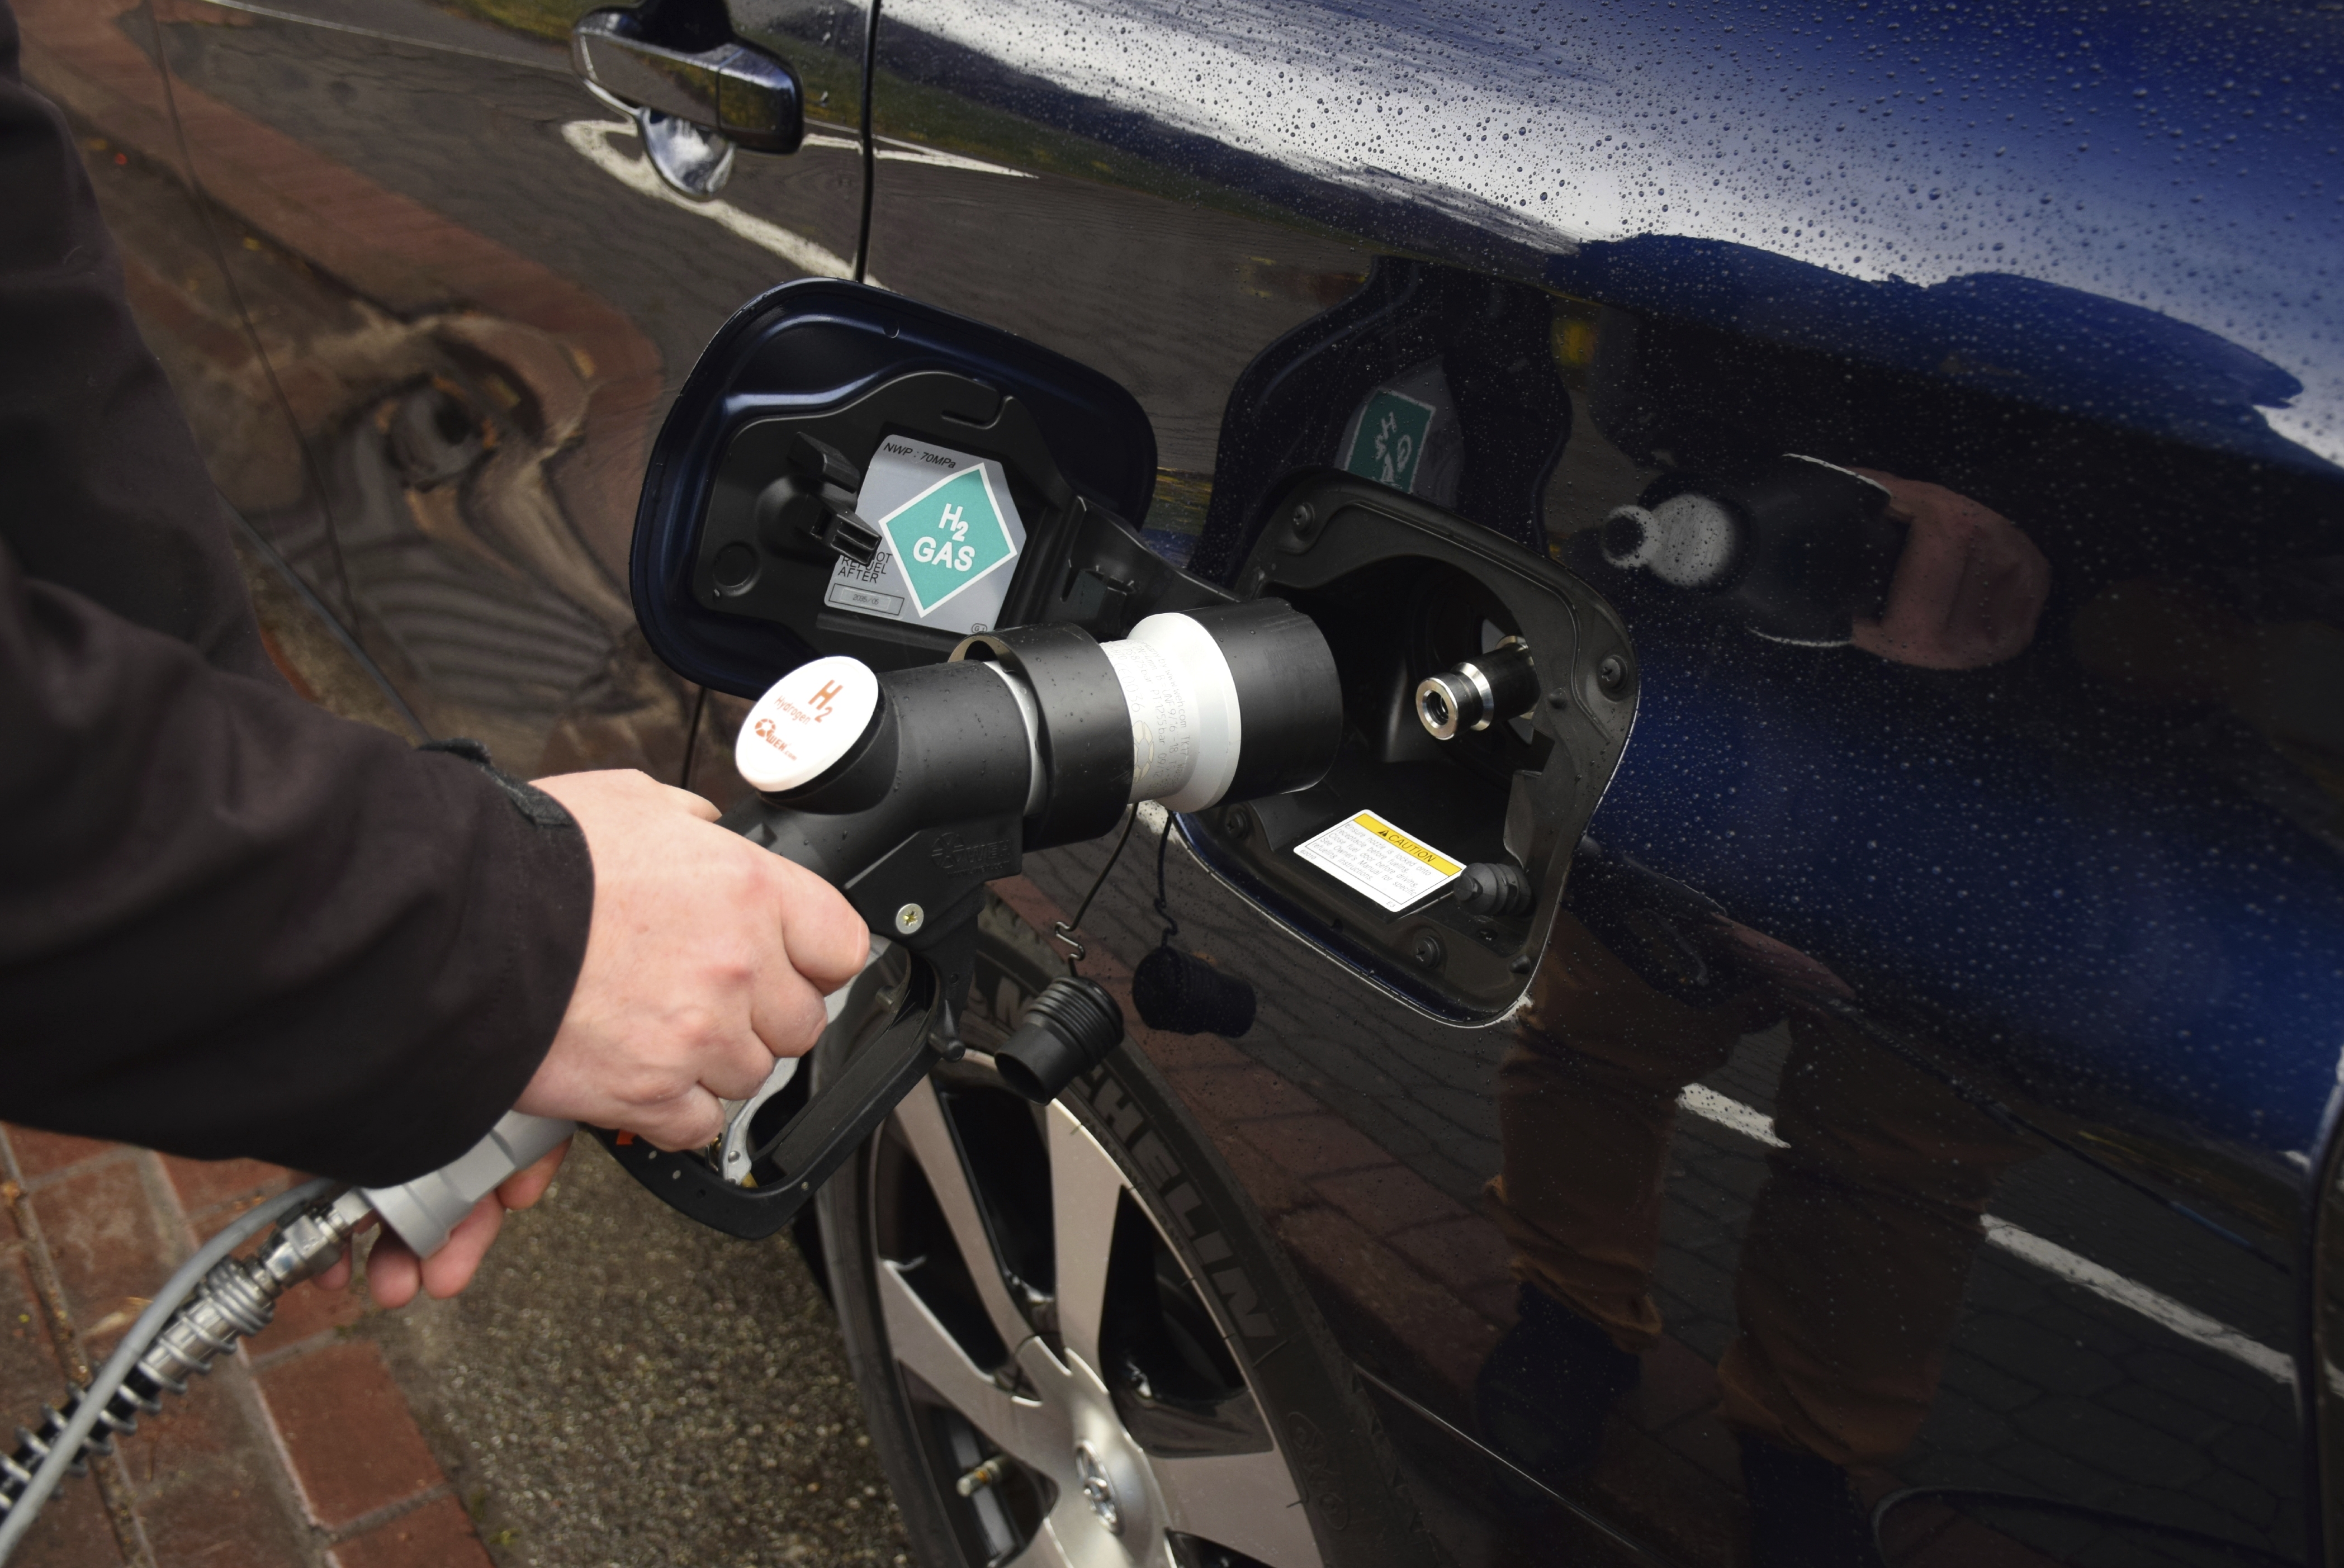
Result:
pixel 805 723
pixel 1186 727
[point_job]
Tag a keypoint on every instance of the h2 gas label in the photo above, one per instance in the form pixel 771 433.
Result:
pixel 949 528
pixel 948 537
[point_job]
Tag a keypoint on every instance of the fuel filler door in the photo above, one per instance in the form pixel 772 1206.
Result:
pixel 850 471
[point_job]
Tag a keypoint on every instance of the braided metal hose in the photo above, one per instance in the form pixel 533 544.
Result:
pixel 234 1300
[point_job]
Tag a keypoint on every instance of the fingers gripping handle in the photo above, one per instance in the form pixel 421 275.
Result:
pixel 424 1211
pixel 817 1140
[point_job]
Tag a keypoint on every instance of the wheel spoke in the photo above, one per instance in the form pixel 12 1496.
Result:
pixel 1084 1190
pixel 1076 1540
pixel 925 1347
pixel 1043 1550
pixel 1246 1502
pixel 921 1118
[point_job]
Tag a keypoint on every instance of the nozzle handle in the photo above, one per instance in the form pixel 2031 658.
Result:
pixel 423 1211
pixel 818 1139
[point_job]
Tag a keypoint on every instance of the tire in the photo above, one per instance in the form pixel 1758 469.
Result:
pixel 1080 1299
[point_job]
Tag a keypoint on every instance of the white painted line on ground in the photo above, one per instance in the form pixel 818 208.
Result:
pixel 906 152
pixel 2109 1285
pixel 2048 1256
pixel 1747 1120
pixel 910 152
pixel 590 139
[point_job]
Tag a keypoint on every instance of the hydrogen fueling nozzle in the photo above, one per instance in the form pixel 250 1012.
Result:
pixel 912 786
pixel 911 790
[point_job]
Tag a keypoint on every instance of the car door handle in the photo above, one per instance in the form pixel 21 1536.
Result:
pixel 732 88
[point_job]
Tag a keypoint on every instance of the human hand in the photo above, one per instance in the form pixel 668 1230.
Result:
pixel 707 958
pixel 1969 589
pixel 394 1273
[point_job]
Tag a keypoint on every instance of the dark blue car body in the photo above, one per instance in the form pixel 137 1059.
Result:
pixel 2079 267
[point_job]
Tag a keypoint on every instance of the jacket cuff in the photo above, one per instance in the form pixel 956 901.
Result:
pixel 531 893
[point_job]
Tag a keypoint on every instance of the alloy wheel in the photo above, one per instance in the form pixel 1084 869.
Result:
pixel 1070 1376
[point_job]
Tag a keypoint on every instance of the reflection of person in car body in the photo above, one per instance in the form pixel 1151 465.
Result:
pixel 234 924
pixel 1851 1274
pixel 1969 589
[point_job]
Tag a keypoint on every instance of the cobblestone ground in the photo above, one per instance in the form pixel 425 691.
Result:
pixel 622 1387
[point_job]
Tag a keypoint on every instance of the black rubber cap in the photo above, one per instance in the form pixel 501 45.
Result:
pixel 1290 698
pixel 1068 1030
pixel 1493 888
pixel 1182 995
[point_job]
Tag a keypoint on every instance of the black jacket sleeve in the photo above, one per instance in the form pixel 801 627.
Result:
pixel 230 923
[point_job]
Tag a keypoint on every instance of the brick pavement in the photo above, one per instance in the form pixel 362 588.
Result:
pixel 299 1452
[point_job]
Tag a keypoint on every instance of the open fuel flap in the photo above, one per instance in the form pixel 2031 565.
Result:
pixel 850 472
pixel 1488 695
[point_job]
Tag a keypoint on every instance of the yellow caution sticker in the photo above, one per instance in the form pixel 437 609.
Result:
pixel 1370 856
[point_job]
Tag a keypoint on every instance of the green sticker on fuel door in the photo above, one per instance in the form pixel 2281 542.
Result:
pixel 1390 440
pixel 948 536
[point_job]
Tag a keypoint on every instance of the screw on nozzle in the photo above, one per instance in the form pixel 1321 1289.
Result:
pixel 1442 701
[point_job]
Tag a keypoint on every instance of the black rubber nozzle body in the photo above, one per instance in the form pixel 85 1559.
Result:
pixel 1068 1030
pixel 1288 691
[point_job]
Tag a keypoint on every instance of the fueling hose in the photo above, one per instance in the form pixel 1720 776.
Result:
pixel 211 1303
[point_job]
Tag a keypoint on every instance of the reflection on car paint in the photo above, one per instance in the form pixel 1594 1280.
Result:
pixel 1932 1075
pixel 593 142
pixel 2035 896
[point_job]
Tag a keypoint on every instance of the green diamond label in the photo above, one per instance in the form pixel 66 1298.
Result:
pixel 1390 440
pixel 903 480
pixel 903 475
pixel 949 537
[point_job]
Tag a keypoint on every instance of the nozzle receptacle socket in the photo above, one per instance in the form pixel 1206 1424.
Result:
pixel 1494 887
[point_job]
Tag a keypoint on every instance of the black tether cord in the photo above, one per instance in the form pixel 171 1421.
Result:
pixel 1163 900
pixel 1064 930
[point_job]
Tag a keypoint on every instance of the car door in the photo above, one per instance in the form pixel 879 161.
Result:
pixel 1907 1113
pixel 97 65
pixel 474 291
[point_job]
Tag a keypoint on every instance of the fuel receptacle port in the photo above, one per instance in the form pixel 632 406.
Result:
pixel 1474 694
pixel 1494 887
